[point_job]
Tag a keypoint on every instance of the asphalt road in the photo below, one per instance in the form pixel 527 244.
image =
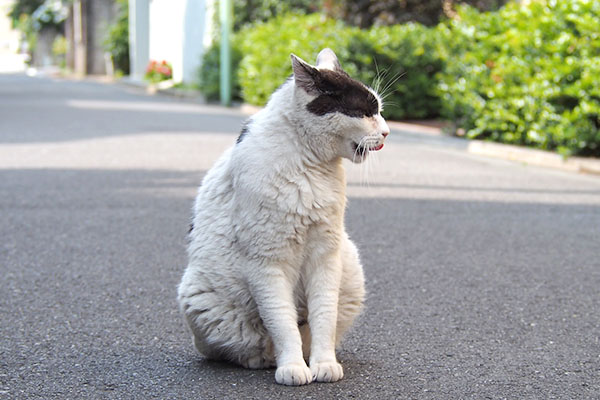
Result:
pixel 483 275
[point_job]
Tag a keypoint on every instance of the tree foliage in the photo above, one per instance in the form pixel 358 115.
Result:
pixel 23 7
pixel 252 11
pixel 366 13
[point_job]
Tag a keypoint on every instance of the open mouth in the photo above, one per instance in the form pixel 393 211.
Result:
pixel 362 148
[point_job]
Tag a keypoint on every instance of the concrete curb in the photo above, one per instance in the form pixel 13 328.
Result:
pixel 534 157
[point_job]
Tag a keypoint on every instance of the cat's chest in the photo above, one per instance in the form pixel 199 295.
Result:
pixel 316 195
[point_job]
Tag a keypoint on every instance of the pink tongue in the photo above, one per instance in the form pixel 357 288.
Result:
pixel 377 148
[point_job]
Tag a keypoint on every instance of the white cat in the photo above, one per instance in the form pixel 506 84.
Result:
pixel 273 278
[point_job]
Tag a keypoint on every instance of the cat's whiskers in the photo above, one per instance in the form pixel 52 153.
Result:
pixel 388 87
pixel 390 84
pixel 378 78
pixel 366 168
pixel 359 146
pixel 362 165
pixel 384 78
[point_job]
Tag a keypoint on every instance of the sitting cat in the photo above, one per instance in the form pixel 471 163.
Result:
pixel 273 278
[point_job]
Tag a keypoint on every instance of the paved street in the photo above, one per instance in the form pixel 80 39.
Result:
pixel 483 275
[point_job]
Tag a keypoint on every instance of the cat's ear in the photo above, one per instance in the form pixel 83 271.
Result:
pixel 305 75
pixel 327 59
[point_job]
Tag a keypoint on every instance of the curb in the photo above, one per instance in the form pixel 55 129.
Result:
pixel 534 157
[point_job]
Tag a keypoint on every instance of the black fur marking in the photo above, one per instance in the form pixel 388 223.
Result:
pixel 243 132
pixel 191 228
pixel 337 92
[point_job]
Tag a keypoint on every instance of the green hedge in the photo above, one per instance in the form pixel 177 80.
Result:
pixel 526 75
pixel 404 56
pixel 400 61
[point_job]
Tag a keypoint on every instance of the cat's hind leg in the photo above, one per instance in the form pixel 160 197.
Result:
pixel 223 330
pixel 234 339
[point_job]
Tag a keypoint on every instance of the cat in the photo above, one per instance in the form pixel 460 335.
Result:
pixel 273 278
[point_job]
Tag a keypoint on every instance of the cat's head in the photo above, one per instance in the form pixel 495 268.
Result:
pixel 342 115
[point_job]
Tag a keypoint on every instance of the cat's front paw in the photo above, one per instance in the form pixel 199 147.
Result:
pixel 293 375
pixel 330 371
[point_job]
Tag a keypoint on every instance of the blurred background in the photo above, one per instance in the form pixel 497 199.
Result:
pixel 520 72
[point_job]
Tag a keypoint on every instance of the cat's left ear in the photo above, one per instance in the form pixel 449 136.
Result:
pixel 327 59
pixel 305 75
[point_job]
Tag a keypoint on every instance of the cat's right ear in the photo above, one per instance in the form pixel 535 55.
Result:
pixel 305 75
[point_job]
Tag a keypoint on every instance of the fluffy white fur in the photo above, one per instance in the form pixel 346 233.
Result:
pixel 273 279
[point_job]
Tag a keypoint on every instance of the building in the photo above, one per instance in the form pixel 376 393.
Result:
pixel 85 30
pixel 10 60
pixel 177 31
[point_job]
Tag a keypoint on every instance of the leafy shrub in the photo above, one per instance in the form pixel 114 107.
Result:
pixel 209 81
pixel 117 38
pixel 21 8
pixel 404 54
pixel 32 16
pixel 59 50
pixel 158 71
pixel 526 75
pixel 50 14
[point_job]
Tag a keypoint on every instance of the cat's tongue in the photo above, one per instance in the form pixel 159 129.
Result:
pixel 377 148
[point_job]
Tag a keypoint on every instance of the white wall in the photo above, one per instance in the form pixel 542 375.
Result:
pixel 166 33
pixel 197 25
pixel 177 34
pixel 10 61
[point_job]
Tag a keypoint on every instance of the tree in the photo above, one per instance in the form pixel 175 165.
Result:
pixel 20 7
pixel 250 11
pixel 366 13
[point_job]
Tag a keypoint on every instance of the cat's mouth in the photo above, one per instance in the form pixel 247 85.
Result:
pixel 361 148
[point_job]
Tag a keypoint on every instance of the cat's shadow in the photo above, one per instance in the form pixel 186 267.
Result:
pixel 218 365
pixel 229 371
pixel 226 370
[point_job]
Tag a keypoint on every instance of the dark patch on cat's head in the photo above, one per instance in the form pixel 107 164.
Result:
pixel 335 91
pixel 243 133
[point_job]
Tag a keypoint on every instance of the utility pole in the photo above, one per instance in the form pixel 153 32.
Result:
pixel 139 37
pixel 79 38
pixel 226 18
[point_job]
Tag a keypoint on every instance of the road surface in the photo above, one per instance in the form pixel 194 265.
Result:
pixel 483 276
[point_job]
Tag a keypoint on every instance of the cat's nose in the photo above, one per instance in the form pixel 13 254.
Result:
pixel 385 133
